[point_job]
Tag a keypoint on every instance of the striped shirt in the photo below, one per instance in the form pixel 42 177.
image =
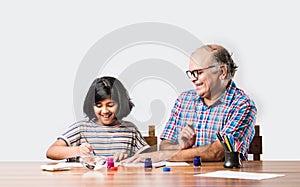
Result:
pixel 233 113
pixel 106 140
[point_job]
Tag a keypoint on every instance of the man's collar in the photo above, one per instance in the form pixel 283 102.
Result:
pixel 223 98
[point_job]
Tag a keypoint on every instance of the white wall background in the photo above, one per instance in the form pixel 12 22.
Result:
pixel 43 42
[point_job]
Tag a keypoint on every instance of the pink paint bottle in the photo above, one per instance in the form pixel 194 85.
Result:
pixel 110 162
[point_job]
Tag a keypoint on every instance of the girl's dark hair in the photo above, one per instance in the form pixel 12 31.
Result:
pixel 103 88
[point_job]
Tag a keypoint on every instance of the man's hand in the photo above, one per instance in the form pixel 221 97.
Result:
pixel 187 137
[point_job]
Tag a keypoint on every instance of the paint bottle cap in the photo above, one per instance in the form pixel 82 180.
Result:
pixel 165 169
pixel 114 168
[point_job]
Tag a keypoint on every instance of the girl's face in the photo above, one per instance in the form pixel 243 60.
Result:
pixel 106 111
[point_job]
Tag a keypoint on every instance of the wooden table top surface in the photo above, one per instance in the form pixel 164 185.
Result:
pixel 28 174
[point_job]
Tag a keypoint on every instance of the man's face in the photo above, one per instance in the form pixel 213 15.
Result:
pixel 207 83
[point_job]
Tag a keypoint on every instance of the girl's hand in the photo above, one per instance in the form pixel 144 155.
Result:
pixel 84 149
pixel 120 156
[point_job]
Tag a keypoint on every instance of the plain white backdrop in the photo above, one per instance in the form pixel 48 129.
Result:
pixel 42 44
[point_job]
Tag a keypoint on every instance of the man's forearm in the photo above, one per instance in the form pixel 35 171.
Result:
pixel 167 145
pixel 188 154
pixel 213 152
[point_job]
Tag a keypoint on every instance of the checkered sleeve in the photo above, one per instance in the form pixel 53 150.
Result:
pixel 241 123
pixel 170 131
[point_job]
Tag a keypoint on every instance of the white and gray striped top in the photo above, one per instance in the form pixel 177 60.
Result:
pixel 105 139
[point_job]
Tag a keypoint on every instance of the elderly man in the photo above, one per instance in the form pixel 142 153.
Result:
pixel 214 105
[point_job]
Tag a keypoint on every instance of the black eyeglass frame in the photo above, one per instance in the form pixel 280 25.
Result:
pixel 195 73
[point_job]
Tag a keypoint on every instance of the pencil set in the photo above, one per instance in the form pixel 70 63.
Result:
pixel 229 143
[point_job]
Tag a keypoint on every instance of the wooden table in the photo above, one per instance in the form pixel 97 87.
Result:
pixel 29 174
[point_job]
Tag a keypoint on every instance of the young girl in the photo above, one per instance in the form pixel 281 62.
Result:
pixel 103 133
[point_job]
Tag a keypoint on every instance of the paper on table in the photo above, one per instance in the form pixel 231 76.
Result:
pixel 60 166
pixel 157 164
pixel 240 175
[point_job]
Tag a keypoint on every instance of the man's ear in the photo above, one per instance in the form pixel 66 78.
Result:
pixel 223 71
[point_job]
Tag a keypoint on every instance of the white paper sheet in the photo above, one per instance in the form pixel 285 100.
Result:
pixel 60 166
pixel 240 175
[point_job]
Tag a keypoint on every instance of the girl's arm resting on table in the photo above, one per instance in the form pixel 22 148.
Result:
pixel 59 150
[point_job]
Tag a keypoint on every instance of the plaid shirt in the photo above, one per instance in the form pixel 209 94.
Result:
pixel 233 113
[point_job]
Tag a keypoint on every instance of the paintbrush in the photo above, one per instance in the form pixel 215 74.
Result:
pixel 87 142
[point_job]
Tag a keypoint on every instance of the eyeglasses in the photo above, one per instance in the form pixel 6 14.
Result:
pixel 195 73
